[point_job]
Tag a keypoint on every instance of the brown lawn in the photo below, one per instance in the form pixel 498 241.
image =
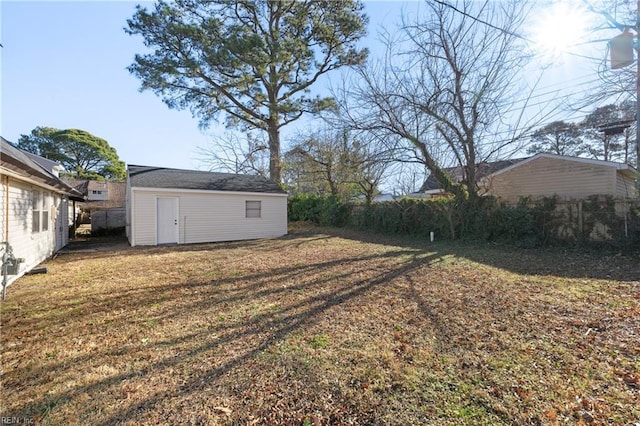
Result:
pixel 325 327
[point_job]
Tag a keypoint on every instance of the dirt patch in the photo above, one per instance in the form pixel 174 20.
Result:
pixel 88 243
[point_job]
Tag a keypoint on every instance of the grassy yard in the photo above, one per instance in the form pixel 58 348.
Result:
pixel 325 327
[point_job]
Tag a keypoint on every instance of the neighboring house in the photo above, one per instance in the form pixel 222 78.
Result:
pixel 100 194
pixel 104 207
pixel 547 175
pixel 172 206
pixel 35 206
pixel 566 177
pixel 378 198
pixel 431 187
pixel 383 197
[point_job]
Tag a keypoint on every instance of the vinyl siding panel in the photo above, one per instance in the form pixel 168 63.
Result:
pixel 548 177
pixel 625 186
pixel 34 247
pixel 209 217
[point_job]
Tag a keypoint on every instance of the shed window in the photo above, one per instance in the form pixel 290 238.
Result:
pixel 36 205
pixel 253 208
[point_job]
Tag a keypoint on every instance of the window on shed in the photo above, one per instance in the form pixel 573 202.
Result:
pixel 253 208
pixel 36 203
pixel 45 213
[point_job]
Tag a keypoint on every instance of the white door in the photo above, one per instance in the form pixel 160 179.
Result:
pixel 167 214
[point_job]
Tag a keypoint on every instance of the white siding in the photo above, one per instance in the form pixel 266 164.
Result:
pixel 208 216
pixel 548 176
pixel 61 209
pixel 33 247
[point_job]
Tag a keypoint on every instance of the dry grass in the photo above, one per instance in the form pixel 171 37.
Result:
pixel 324 327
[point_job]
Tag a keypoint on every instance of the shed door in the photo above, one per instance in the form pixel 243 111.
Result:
pixel 167 214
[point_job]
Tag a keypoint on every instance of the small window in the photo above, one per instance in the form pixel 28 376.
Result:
pixel 36 202
pixel 45 213
pixel 253 208
pixel 96 192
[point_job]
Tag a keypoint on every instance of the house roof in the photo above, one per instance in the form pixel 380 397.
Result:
pixel 47 164
pixel 23 164
pixel 622 167
pixel 161 177
pixel 457 173
pixel 498 167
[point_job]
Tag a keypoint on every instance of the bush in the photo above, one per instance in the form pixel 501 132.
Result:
pixel 528 224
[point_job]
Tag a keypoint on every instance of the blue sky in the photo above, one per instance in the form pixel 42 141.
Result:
pixel 64 66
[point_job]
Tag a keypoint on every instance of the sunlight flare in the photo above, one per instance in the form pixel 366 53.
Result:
pixel 559 27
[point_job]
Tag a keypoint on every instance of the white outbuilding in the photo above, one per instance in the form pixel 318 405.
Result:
pixel 174 206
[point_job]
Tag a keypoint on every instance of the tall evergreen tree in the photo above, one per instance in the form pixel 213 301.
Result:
pixel 253 60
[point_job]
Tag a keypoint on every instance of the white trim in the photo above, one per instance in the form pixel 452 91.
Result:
pixel 205 191
pixel 131 204
pixel 30 181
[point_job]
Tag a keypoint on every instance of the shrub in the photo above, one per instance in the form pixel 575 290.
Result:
pixel 526 224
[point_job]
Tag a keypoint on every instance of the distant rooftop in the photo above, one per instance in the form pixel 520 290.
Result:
pixel 457 173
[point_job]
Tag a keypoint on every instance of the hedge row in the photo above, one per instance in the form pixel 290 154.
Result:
pixel 527 224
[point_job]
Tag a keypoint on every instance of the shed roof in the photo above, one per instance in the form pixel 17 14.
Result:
pixel 161 177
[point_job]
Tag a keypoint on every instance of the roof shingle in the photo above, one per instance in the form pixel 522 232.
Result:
pixel 161 177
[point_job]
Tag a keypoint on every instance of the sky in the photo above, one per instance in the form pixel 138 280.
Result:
pixel 64 65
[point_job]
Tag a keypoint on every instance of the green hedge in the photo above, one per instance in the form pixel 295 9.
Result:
pixel 527 224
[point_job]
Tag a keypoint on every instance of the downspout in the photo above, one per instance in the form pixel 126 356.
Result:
pixel 73 228
pixel 6 206
pixel 5 253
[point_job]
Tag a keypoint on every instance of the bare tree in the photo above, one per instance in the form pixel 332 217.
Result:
pixel 619 85
pixel 445 87
pixel 335 161
pixel 616 85
pixel 236 153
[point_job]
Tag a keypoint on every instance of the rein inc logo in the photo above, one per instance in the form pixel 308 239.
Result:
pixel 4 420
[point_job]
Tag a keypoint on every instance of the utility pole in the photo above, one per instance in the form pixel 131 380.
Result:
pixel 637 48
pixel 622 49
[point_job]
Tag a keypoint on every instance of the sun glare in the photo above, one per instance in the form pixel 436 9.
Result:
pixel 559 27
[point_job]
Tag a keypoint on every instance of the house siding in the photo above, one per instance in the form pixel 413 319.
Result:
pixel 34 247
pixel 549 176
pixel 208 217
pixel 625 186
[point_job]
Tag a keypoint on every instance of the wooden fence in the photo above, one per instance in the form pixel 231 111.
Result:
pixel 597 218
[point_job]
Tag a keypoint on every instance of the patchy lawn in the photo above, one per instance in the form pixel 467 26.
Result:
pixel 325 327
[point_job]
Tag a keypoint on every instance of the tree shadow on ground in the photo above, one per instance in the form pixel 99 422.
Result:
pixel 568 262
pixel 313 293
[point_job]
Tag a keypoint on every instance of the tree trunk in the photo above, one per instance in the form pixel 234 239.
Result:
pixel 275 167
